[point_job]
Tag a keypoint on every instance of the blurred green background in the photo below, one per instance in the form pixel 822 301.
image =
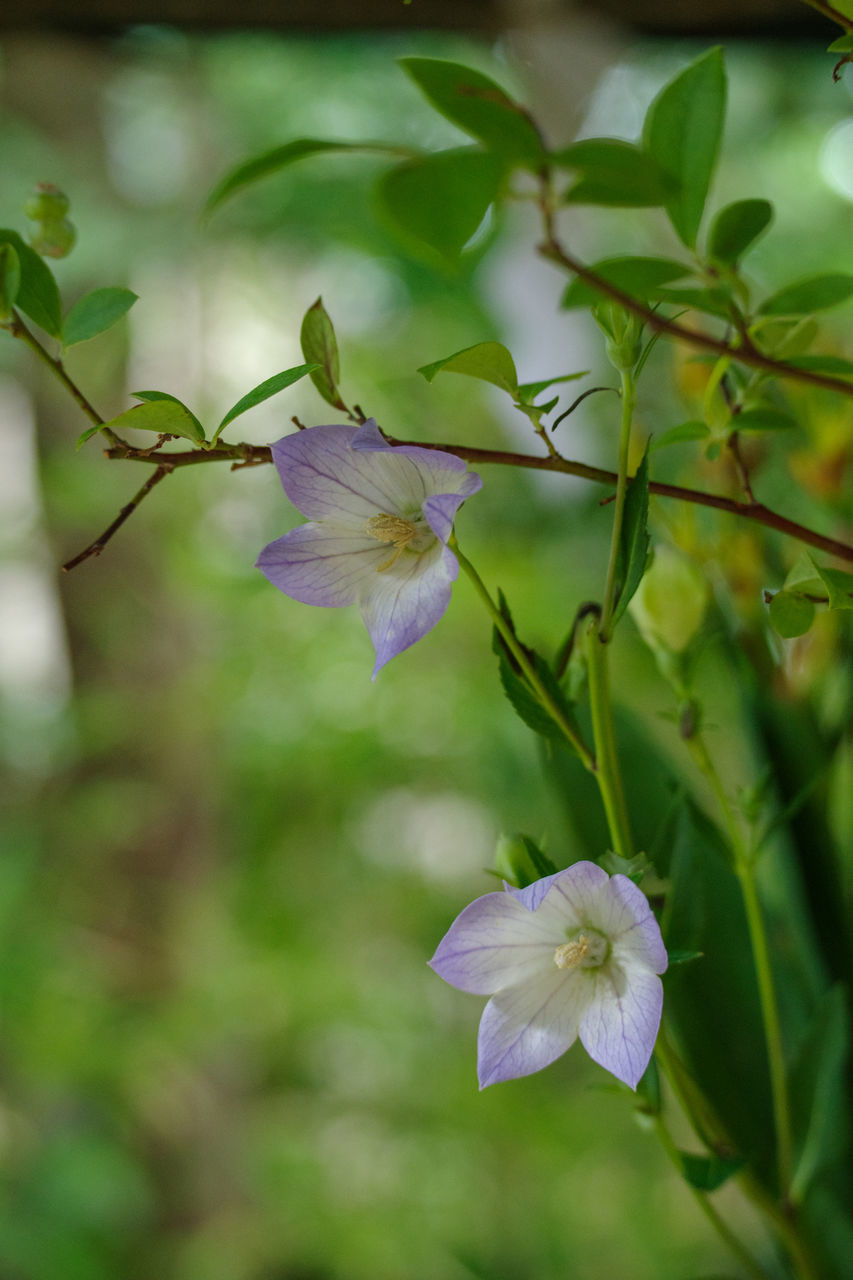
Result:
pixel 227 855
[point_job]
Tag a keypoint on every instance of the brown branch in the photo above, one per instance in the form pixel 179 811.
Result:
pixel 756 511
pixel 95 548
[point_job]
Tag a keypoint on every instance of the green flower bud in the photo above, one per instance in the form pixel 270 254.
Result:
pixel 47 204
pixel 54 239
pixel 670 602
pixel 623 333
pixel 520 861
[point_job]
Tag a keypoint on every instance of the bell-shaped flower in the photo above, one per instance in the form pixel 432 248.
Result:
pixel 575 954
pixel 380 517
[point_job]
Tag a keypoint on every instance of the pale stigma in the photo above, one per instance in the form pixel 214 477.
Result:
pixel 394 530
pixel 571 954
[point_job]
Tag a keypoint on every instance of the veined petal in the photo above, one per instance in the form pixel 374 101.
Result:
pixel 576 893
pixel 620 1025
pixel 441 509
pixel 531 895
pixel 321 564
pixel 405 601
pixel 631 926
pixel 525 1028
pixel 492 944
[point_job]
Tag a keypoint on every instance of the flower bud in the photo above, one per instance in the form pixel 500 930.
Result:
pixel 520 861
pixel 46 204
pixel 54 239
pixel 622 331
pixel 670 602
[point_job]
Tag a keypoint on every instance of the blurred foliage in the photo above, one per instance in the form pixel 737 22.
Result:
pixel 228 855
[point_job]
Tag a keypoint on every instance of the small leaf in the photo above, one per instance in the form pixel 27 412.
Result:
pixel 528 391
pixel 87 435
pixel 163 413
pixel 761 418
pixel 480 107
pixel 682 130
pixel 614 173
pixel 634 543
pixel 817 1092
pixel 804 577
pixel 676 435
pixel 95 313
pixel 707 1173
pixel 834 365
pixel 844 44
pixel 10 278
pixel 817 293
pixel 261 392
pixel 269 162
pixel 438 201
pixel 736 228
pixel 790 615
pixel 715 301
pixel 527 705
pixel 38 295
pixel 488 361
pixel 320 347
pixel 683 957
pixel 638 277
pixel 838 585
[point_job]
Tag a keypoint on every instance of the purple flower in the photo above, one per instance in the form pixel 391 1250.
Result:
pixel 574 954
pixel 380 519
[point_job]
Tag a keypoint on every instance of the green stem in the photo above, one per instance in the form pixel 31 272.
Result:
pixel 628 402
pixel 744 867
pixel 607 772
pixel 531 675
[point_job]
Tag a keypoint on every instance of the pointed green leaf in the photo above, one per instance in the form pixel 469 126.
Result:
pixel 838 585
pixel 10 278
pixel 261 392
pixel 682 130
pixel 715 301
pixel 38 295
pixel 488 361
pixel 530 390
pixel 634 545
pixel 833 365
pixel 638 277
pixel 438 202
pixel 320 347
pixel 818 293
pixel 278 158
pixel 790 615
pixel 160 408
pixel 87 435
pixel 614 173
pixel 480 107
pixel 95 313
pixel 761 418
pixel 675 435
pixel 818 1092
pixel 736 227
pixel 707 1173
pixel 844 44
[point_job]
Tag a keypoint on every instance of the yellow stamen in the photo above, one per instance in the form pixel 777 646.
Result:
pixel 391 529
pixel 571 954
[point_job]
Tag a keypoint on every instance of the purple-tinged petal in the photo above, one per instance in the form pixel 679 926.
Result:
pixel 441 509
pixel 492 944
pixel 325 480
pixel 532 894
pixel 632 927
pixel 564 899
pixel 403 603
pixel 525 1028
pixel 620 1025
pixel 368 436
pixel 319 564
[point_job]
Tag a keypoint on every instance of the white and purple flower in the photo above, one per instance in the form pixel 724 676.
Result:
pixel 576 954
pixel 380 518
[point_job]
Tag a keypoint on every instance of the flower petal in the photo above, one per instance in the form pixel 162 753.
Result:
pixel 321 564
pixel 524 1029
pixel 532 894
pixel 632 928
pixel 441 509
pixel 406 601
pixel 620 1025
pixel 493 944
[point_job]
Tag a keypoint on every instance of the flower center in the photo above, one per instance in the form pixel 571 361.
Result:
pixel 585 951
pixel 399 533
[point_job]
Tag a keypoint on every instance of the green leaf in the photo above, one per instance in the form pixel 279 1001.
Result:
pixel 834 365
pixel 439 201
pixel 87 435
pixel 95 313
pixel 818 1094
pixel 320 347
pixel 488 361
pixel 817 293
pixel 614 173
pixel 163 413
pixel 682 130
pixel 676 435
pixel 638 277
pixel 790 614
pixel 716 301
pixel 844 44
pixel 761 418
pixel 527 705
pixel 480 107
pixel 10 278
pixel 634 543
pixel 838 585
pixel 273 161
pixel 683 957
pixel 38 295
pixel 707 1173
pixel 261 392
pixel 736 228
pixel 528 391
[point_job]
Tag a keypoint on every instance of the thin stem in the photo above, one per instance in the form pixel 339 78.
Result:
pixel 95 548
pixel 238 454
pixel 607 772
pixel 744 866
pixel 832 13
pixel 628 402
pixel 555 712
